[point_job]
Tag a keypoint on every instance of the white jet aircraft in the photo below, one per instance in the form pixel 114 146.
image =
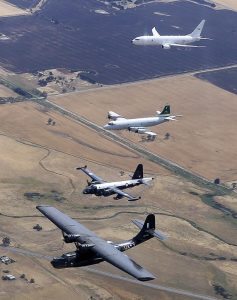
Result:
pixel 166 42
pixel 139 125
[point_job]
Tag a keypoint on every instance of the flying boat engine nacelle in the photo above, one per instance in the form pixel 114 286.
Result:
pixel 166 46
pixel 86 246
pixel 70 238
pixel 138 130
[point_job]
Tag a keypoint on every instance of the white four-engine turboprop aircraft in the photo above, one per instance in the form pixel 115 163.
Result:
pixel 139 125
pixel 99 187
pixel 169 41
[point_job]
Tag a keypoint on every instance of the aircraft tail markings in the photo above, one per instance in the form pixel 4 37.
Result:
pixel 166 110
pixel 198 30
pixel 147 230
pixel 138 174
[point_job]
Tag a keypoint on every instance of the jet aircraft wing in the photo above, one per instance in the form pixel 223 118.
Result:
pixel 101 248
pixel 186 46
pixel 91 174
pixel 121 194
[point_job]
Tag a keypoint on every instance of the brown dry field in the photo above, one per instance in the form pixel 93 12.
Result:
pixel 204 140
pixel 6 92
pixel 7 9
pixel 36 157
pixel 232 4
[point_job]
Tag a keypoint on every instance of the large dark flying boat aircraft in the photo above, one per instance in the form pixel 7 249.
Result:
pixel 90 249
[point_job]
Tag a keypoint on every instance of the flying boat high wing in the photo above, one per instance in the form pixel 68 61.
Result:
pixel 91 249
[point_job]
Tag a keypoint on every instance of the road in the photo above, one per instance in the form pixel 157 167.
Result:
pixel 117 277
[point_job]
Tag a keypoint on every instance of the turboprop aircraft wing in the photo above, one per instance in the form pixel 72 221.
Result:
pixel 100 248
pixel 92 175
pixel 121 194
pixel 114 116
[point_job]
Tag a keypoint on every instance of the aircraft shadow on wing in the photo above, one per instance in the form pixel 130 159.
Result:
pixel 99 187
pixel 90 249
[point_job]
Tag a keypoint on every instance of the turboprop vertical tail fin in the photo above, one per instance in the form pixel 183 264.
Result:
pixel 198 30
pixel 138 174
pixel 166 110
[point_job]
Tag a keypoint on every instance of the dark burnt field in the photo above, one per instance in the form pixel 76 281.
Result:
pixel 225 79
pixel 24 3
pixel 70 34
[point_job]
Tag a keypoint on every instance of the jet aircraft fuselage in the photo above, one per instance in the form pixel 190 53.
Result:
pixel 150 40
pixel 168 41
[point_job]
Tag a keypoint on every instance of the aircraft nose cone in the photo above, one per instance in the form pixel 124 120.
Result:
pixel 106 126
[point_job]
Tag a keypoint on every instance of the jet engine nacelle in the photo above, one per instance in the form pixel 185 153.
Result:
pixel 138 130
pixel 166 46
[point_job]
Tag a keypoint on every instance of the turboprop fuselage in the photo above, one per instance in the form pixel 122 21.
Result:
pixel 136 123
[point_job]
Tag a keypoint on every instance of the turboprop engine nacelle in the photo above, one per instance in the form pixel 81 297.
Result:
pixel 138 130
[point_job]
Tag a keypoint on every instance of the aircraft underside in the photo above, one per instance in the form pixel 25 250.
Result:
pixel 75 259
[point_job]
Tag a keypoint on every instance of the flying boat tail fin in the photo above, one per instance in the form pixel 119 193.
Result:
pixel 147 230
pixel 138 174
pixel 198 30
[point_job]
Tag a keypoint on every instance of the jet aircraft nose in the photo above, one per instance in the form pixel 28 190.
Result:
pixel 136 41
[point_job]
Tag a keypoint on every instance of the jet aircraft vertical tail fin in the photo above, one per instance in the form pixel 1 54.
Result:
pixel 147 230
pixel 166 110
pixel 198 30
pixel 155 32
pixel 138 174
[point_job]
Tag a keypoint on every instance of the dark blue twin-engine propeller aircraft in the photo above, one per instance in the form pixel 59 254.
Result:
pixel 90 249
